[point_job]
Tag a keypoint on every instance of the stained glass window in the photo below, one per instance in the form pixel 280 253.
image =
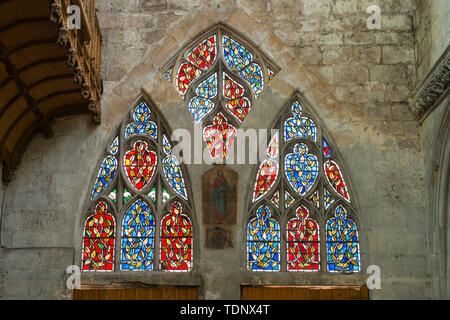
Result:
pixel 263 242
pixel 236 103
pixel 219 137
pixel 137 238
pixel 299 126
pixel 268 171
pixel 167 74
pixel 270 73
pixel 240 59
pixel 113 195
pixel 301 169
pixel 98 240
pixel 219 60
pixel 335 179
pixel 201 104
pixel 166 145
pixel 176 240
pixel 142 123
pixel 301 180
pixel 328 199
pixel 105 175
pixel 204 55
pixel 276 198
pixel 288 199
pixel 315 198
pixel 152 194
pixel 140 164
pixel 174 176
pixel 342 243
pixel 126 195
pixel 137 189
pixel 303 247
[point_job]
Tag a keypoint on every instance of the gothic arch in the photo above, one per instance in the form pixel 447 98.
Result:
pixel 439 208
pixel 139 177
pixel 302 142
pixel 219 75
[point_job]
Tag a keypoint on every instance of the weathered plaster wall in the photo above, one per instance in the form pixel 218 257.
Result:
pixel 432 26
pixel 357 80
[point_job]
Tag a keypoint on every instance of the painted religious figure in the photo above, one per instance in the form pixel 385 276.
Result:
pixel 219 191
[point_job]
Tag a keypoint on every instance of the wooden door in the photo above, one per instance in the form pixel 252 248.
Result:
pixel 304 293
pixel 156 293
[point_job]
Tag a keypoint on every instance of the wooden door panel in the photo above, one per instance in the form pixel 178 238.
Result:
pixel 157 293
pixel 304 293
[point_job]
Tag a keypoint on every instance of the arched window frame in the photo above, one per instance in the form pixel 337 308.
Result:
pixel 268 68
pixel 318 213
pixel 116 203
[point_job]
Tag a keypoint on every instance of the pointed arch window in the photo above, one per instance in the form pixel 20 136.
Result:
pixel 219 76
pixel 143 187
pixel 301 181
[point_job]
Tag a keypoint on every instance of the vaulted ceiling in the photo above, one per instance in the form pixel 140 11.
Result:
pixel 46 70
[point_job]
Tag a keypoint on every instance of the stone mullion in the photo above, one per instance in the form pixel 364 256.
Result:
pixel 158 199
pixel 119 203
pixel 283 244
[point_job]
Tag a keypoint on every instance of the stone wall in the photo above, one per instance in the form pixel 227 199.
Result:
pixel 357 80
pixel 432 27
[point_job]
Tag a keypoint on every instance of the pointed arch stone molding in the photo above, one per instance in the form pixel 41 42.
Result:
pixel 433 89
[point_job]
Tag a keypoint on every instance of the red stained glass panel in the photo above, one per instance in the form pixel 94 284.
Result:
pixel 303 242
pixel 334 176
pixel 98 240
pixel 204 55
pixel 140 164
pixel 176 241
pixel 186 74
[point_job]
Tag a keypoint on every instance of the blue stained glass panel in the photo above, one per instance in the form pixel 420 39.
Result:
pixel 167 148
pixel 167 74
pixel 114 146
pixel 342 243
pixel 328 199
pixel 296 109
pixel 105 175
pixel 137 238
pixel 174 176
pixel 301 169
pixel 300 127
pixel 253 75
pixel 326 149
pixel 200 107
pixel 208 88
pixel 263 242
pixel 142 123
pixel 236 56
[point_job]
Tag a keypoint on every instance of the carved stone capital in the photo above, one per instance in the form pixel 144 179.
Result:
pixel 433 88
